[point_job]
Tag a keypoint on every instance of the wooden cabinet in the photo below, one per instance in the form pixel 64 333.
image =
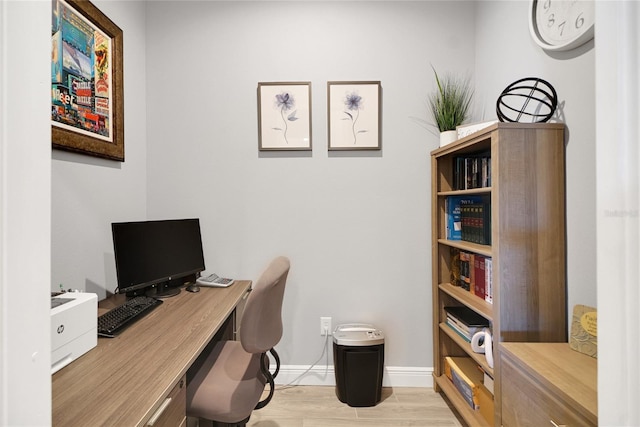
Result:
pixel 548 384
pixel 527 200
pixel 173 411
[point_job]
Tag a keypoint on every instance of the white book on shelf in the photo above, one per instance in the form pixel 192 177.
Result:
pixel 488 269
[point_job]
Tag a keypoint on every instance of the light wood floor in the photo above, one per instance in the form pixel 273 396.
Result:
pixel 318 406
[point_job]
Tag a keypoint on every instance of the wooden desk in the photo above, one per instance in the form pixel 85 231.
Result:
pixel 124 380
pixel 546 384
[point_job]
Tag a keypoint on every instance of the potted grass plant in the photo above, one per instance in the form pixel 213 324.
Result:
pixel 450 104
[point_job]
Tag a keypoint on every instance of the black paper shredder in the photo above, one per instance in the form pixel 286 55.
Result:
pixel 358 357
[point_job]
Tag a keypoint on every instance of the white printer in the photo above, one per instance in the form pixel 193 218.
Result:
pixel 74 327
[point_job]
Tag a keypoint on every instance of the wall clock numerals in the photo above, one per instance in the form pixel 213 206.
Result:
pixel 561 24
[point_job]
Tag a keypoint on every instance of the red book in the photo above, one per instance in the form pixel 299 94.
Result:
pixel 479 276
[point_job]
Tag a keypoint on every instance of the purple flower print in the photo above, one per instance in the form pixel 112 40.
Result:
pixel 285 102
pixel 353 102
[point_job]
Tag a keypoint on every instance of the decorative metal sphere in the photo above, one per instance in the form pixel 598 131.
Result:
pixel 529 100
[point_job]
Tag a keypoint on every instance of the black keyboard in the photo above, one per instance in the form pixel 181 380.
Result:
pixel 116 320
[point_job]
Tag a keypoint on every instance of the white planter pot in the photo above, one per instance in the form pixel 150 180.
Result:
pixel 447 137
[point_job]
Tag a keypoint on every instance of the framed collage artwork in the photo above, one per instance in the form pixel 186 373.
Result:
pixel 87 104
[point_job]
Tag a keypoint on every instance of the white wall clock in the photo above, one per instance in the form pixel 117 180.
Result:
pixel 558 25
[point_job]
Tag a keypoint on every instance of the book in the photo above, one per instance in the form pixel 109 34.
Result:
pixel 453 213
pixel 458 173
pixel 488 280
pixel 466 377
pixel 486 172
pixel 468 129
pixel 487 381
pixel 485 397
pixel 465 270
pixel 463 334
pixel 452 218
pixel 455 267
pixel 483 222
pixel 459 325
pixel 466 317
pixel 479 276
pixel 472 272
pixel 465 222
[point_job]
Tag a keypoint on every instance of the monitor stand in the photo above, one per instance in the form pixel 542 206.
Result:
pixel 162 290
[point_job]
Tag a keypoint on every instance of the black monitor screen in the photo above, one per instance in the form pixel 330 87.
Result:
pixel 151 253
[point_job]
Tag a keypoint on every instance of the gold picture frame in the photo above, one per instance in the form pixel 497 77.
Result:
pixel 87 101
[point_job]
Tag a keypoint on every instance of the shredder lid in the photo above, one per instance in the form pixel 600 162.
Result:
pixel 358 334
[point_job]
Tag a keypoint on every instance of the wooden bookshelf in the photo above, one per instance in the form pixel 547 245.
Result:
pixel 528 247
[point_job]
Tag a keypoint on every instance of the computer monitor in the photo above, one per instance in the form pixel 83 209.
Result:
pixel 156 257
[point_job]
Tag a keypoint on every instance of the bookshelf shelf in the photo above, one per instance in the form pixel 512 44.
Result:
pixel 481 190
pixel 472 417
pixel 467 246
pixel 527 251
pixel 466 298
pixel 479 358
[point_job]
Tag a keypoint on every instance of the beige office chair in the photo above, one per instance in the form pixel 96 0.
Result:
pixel 229 384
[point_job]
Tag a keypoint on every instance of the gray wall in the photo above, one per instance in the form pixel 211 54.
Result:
pixel 506 53
pixel 356 225
pixel 89 193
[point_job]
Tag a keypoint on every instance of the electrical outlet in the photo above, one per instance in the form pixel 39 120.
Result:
pixel 325 326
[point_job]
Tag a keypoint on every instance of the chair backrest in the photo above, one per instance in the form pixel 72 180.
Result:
pixel 261 324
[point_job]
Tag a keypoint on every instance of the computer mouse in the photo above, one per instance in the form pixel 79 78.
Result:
pixel 193 288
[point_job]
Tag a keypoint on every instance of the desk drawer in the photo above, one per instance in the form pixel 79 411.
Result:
pixel 527 403
pixel 173 411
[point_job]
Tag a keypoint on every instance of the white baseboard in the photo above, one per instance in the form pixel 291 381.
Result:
pixel 393 376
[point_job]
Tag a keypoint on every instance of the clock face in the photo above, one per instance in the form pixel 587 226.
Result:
pixel 561 24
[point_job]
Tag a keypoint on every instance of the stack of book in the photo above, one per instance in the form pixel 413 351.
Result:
pixel 465 322
pixel 472 272
pixel 475 222
pixel 468 218
pixel 472 171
